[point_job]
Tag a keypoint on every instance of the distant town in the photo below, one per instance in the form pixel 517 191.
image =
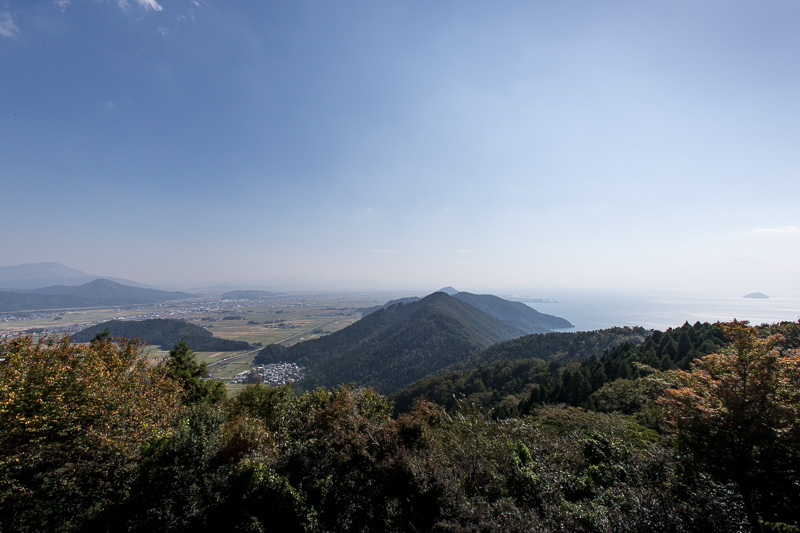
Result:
pixel 273 374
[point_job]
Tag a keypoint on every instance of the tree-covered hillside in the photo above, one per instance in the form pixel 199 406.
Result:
pixel 166 332
pixel 515 314
pixel 94 437
pixel 562 347
pixel 515 376
pixel 394 347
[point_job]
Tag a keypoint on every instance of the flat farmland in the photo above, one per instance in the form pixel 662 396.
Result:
pixel 286 320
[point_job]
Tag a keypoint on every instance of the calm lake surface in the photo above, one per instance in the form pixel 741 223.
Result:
pixel 592 311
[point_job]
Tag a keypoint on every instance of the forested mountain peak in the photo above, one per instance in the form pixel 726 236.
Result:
pixel 397 345
pixel 515 314
pixel 166 332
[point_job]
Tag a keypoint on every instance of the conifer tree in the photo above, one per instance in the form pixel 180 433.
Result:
pixel 184 368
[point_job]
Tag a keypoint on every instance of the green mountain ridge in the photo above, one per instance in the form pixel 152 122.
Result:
pixel 96 293
pixel 166 332
pixel 396 346
pixel 516 314
pixel 502 375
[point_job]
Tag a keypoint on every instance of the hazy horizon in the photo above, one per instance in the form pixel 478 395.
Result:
pixel 589 146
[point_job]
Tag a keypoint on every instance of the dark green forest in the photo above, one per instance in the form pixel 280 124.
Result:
pixel 513 376
pixel 166 332
pixel 396 346
pixel 691 429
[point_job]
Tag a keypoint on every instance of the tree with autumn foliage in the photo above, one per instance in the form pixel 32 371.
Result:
pixel 738 414
pixel 72 422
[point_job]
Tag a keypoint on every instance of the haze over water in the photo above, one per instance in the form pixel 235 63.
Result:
pixel 589 311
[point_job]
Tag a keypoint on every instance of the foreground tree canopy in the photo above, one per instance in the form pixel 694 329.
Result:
pixel 95 437
pixel 72 423
pixel 738 414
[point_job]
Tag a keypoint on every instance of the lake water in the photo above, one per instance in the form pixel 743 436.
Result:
pixel 590 311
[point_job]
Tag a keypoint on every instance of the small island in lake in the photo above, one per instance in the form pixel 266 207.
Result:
pixel 755 295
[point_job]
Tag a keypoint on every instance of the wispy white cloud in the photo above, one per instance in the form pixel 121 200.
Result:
pixel 61 4
pixel 110 105
pixel 7 26
pixel 149 4
pixel 385 251
pixel 146 4
pixel 783 230
pixel 462 251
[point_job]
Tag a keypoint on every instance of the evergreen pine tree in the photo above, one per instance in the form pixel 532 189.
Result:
pixel 184 368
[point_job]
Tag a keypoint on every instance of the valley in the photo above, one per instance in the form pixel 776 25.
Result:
pixel 285 319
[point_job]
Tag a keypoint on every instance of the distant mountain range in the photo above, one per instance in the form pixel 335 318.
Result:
pixel 166 332
pixel 397 345
pixel 96 293
pixel 517 314
pixel 37 275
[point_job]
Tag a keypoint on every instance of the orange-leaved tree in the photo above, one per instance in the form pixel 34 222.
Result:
pixel 72 421
pixel 738 414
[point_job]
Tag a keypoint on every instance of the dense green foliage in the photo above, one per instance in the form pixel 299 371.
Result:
pixel 72 420
pixel 333 460
pixel 738 414
pixel 394 347
pixel 166 332
pixel 338 460
pixel 564 368
pixel 561 347
pixel 502 376
pixel 500 386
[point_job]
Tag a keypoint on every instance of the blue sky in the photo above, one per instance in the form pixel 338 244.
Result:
pixel 569 144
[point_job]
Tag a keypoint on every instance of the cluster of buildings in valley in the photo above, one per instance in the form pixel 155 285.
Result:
pixel 273 374
pixel 39 315
pixel 283 325
pixel 57 331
